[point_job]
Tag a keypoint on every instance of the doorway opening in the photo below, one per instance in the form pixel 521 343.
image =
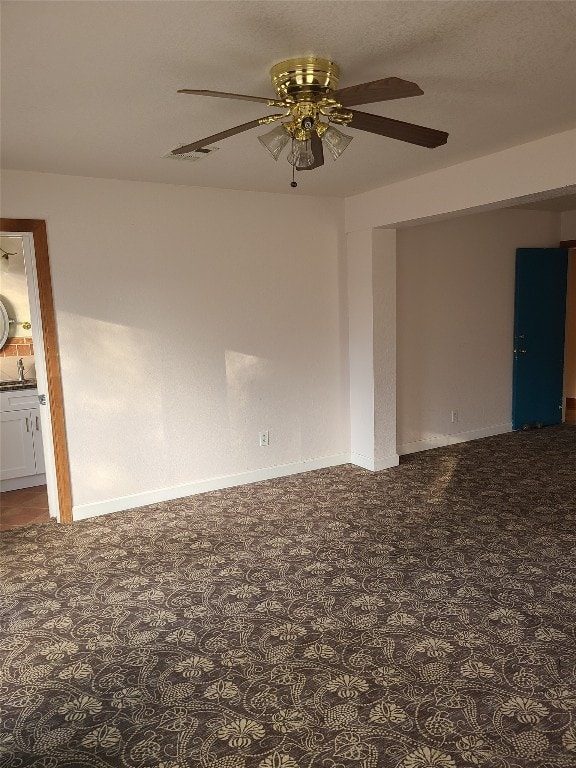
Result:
pixel 36 413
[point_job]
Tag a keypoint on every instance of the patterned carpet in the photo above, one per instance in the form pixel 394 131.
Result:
pixel 421 617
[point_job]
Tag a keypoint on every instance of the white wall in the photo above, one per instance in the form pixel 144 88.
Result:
pixel 189 320
pixel 361 339
pixel 524 173
pixel 455 293
pixel 372 323
pixel 517 174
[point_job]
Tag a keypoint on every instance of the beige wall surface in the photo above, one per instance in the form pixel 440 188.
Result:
pixel 455 283
pixel 189 320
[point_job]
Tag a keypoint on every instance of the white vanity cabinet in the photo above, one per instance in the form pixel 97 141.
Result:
pixel 21 452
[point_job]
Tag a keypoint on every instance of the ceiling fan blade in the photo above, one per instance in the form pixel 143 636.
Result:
pixel 317 151
pixel 217 137
pixel 220 95
pixel 377 90
pixel 396 129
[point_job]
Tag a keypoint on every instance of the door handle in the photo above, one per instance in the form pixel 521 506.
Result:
pixel 27 425
pixel 519 351
pixel 37 425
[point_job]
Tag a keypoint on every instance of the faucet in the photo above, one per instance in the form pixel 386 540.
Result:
pixel 20 370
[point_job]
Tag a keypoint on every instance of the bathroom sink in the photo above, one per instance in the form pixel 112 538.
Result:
pixel 7 386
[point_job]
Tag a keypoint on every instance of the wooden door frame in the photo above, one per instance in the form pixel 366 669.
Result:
pixel 37 228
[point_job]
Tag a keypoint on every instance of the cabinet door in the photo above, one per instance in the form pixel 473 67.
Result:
pixel 16 445
pixel 38 447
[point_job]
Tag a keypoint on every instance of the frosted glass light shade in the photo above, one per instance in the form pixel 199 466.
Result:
pixel 275 140
pixel 336 141
pixel 301 154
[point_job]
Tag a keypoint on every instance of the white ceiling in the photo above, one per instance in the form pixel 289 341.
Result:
pixel 89 88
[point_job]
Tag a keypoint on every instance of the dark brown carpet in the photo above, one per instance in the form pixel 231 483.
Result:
pixel 421 617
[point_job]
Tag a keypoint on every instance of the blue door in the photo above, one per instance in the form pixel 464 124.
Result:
pixel 539 321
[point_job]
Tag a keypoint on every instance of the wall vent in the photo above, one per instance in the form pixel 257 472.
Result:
pixel 194 156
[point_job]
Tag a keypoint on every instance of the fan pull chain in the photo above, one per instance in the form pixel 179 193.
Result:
pixel 293 183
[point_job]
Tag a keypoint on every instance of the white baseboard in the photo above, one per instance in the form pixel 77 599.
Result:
pixel 440 441
pixel 85 511
pixel 375 465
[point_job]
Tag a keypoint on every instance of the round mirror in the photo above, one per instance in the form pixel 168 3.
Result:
pixel 4 325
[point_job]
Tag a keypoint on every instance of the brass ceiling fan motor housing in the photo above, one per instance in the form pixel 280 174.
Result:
pixel 306 78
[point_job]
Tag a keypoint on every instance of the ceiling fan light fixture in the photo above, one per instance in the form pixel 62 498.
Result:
pixel 301 155
pixel 275 140
pixel 336 141
pixel 307 90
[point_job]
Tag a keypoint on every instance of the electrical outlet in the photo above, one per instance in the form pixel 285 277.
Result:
pixel 454 417
pixel 264 439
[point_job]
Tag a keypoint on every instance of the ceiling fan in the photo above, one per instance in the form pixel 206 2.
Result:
pixel 307 92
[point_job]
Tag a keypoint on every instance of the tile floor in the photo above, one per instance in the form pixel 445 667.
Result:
pixel 24 507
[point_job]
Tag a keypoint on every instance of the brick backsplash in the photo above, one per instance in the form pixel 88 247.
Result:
pixel 17 346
